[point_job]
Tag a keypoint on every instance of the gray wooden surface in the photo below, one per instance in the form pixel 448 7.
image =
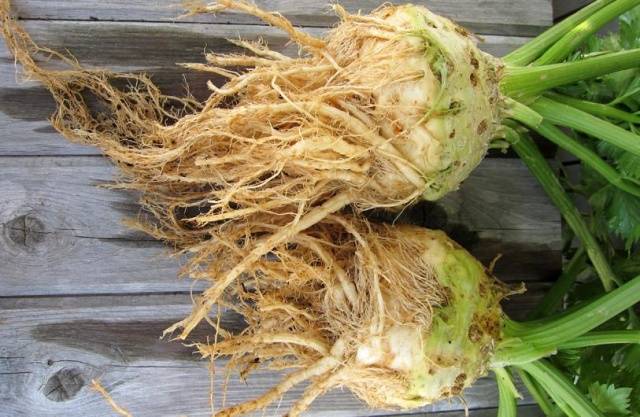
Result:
pixel 62 235
pixel 81 296
pixel 53 346
pixel 516 17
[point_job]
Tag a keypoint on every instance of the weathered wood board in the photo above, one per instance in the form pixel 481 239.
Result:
pixel 53 347
pixel 81 296
pixel 517 17
pixel 63 235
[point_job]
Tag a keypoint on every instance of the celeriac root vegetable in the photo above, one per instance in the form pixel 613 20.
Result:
pixel 386 109
pixel 400 315
pixel 292 139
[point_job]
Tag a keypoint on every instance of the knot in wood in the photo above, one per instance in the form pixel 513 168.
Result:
pixel 63 385
pixel 25 231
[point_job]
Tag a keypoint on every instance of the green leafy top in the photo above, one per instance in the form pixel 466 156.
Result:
pixel 614 211
pixel 609 375
pixel 610 400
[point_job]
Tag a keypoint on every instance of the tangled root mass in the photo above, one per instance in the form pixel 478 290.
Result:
pixel 250 184
pixel 285 141
pixel 400 315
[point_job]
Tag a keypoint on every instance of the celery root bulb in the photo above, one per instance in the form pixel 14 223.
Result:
pixel 402 316
pixel 443 119
pixel 388 108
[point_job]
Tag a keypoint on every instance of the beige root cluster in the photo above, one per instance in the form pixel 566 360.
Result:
pixel 275 150
pixel 314 301
pixel 281 145
pixel 250 184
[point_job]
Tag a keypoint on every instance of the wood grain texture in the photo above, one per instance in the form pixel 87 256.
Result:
pixel 81 296
pixel 528 410
pixel 53 347
pixel 517 17
pixel 153 48
pixel 63 235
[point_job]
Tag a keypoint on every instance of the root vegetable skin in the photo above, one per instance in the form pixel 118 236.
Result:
pixel 442 359
pixel 443 120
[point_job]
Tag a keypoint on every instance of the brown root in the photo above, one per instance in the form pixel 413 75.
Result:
pixel 97 386
pixel 244 344
pixel 274 19
pixel 322 384
pixel 295 378
pixel 296 144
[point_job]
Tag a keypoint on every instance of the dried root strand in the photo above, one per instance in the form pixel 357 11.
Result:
pixel 259 48
pixel 293 379
pixel 322 384
pixel 274 19
pixel 252 183
pixel 245 344
pixel 97 386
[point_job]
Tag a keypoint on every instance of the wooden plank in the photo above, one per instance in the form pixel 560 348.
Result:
pixel 530 410
pixel 517 17
pixel 25 107
pixel 50 348
pixel 60 231
pixel 63 235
